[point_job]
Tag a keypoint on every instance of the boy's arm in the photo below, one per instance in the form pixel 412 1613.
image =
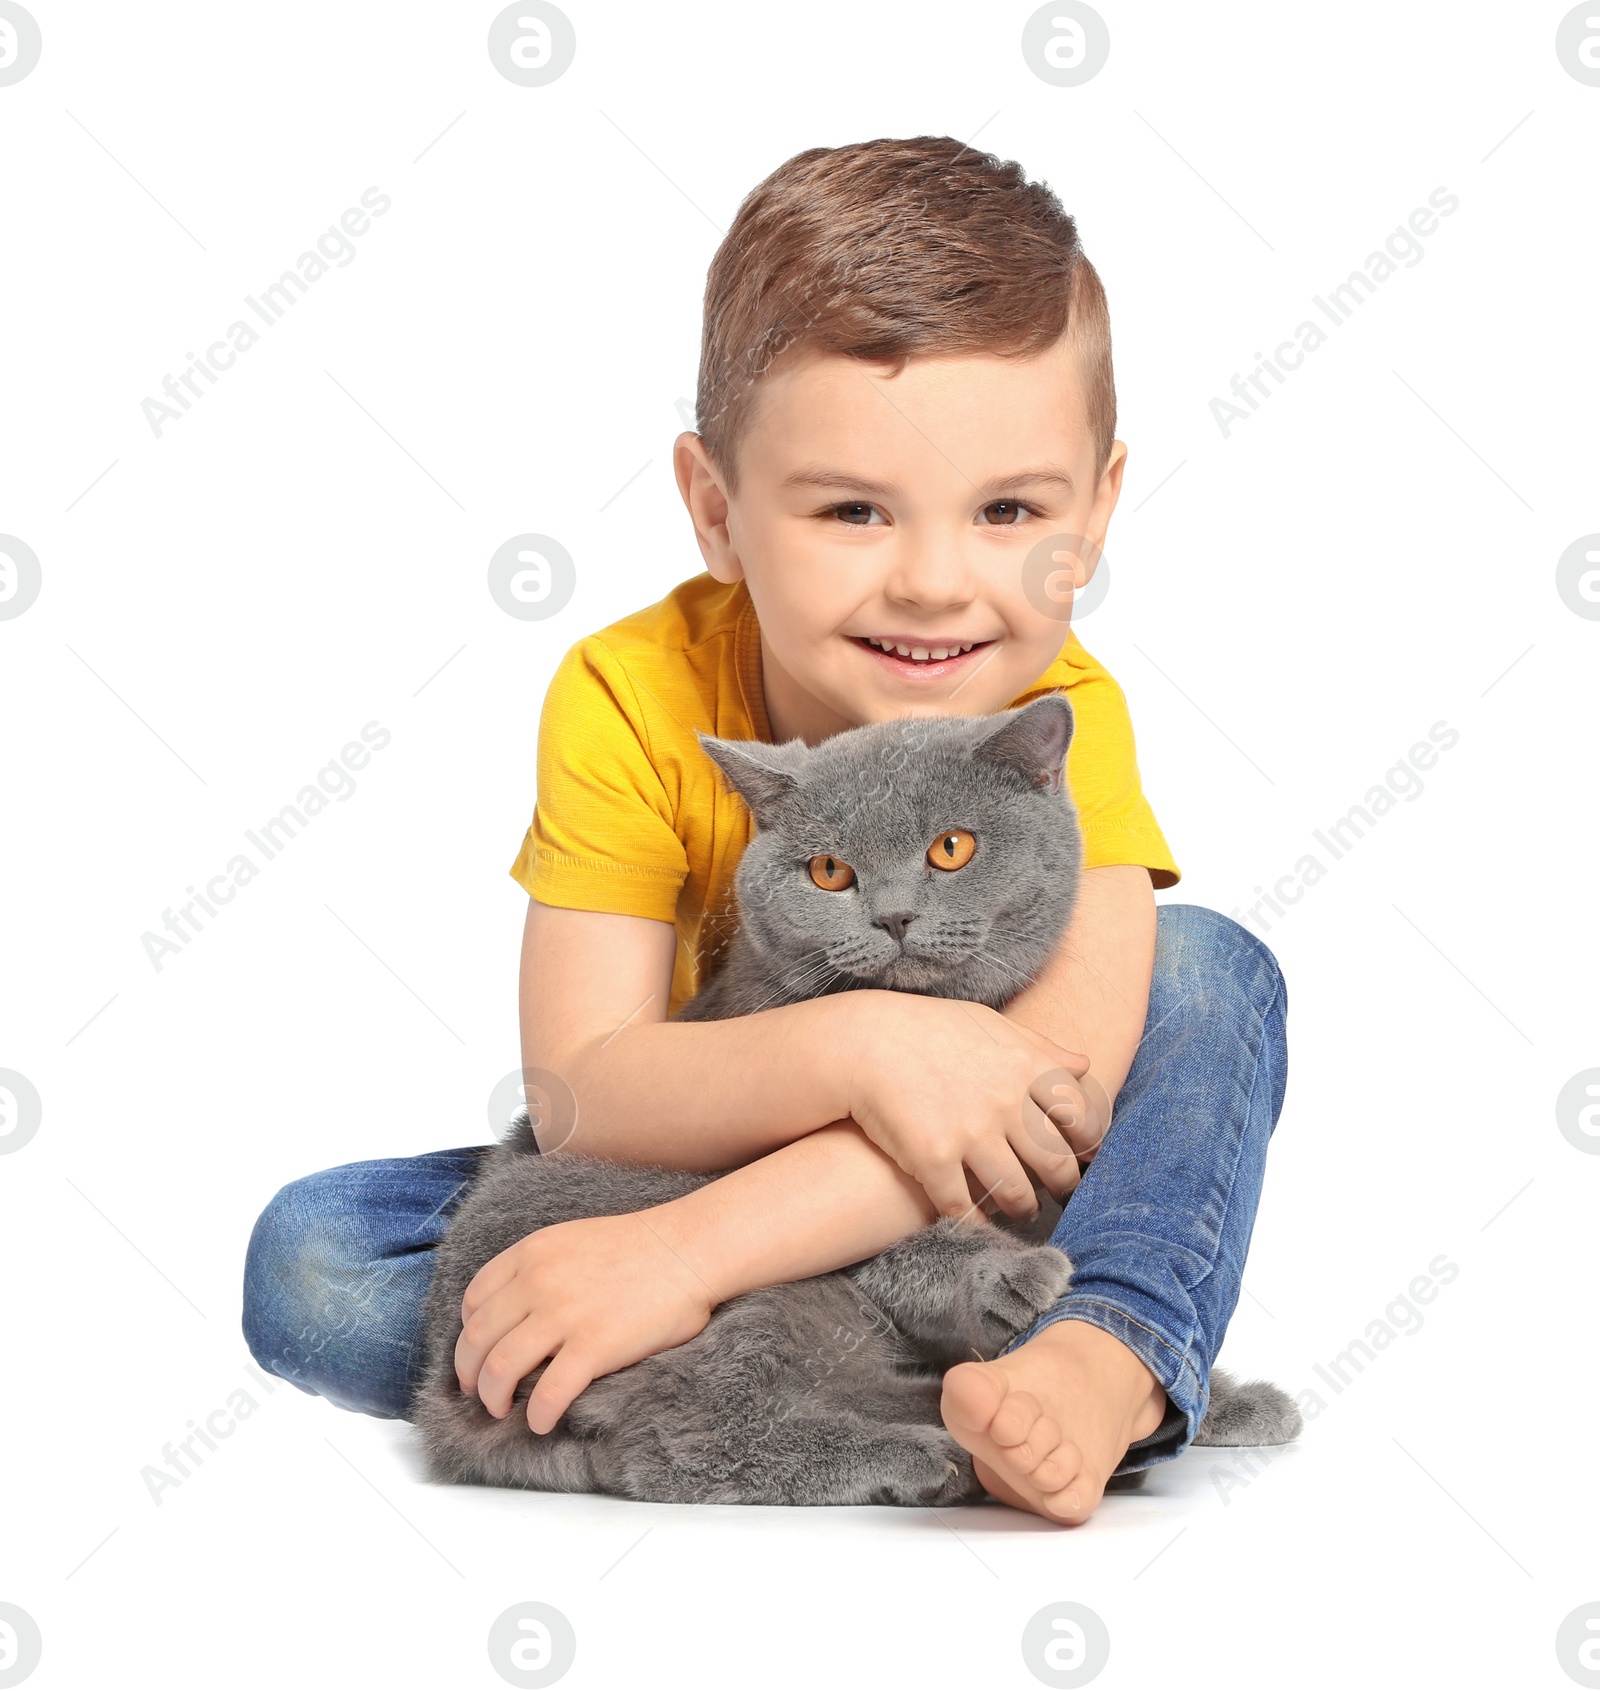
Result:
pixel 704 1095
pixel 944 1087
pixel 695 1095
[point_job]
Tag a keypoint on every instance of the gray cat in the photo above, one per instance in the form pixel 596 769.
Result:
pixel 938 856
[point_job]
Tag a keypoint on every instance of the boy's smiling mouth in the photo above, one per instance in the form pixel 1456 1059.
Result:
pixel 918 654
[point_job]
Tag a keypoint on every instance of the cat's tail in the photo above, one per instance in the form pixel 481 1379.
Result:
pixel 1248 1412
pixel 519 1135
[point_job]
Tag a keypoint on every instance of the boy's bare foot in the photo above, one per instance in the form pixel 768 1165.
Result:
pixel 1048 1423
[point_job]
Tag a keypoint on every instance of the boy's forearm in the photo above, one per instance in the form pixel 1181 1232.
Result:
pixel 706 1096
pixel 710 1095
pixel 822 1202
pixel 713 1095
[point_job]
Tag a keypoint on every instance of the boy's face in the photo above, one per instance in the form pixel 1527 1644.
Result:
pixel 903 510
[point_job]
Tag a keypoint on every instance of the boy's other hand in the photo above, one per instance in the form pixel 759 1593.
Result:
pixel 949 1088
pixel 589 1296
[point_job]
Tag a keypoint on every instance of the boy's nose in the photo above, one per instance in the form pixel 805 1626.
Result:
pixel 932 573
pixel 896 924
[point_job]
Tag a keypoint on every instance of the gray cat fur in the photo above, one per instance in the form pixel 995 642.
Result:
pixel 823 1391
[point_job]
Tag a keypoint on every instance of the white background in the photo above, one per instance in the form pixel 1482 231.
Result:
pixel 1292 606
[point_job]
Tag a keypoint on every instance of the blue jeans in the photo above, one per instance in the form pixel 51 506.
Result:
pixel 339 1261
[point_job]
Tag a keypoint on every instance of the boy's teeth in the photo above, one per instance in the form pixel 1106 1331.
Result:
pixel 919 654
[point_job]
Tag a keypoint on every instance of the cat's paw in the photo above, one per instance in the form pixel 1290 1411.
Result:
pixel 1010 1288
pixel 927 1468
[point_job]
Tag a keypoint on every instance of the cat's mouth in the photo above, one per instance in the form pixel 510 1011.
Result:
pixel 906 971
pixel 922 657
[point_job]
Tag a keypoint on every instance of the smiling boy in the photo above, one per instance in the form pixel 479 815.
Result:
pixel 905 387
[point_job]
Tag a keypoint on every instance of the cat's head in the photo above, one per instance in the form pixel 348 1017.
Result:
pixel 930 854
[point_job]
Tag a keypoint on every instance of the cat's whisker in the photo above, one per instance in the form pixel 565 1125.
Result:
pixel 1003 966
pixel 797 979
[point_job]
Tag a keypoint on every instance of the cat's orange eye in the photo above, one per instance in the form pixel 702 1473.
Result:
pixel 953 850
pixel 831 874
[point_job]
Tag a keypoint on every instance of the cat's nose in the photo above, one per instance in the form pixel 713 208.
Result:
pixel 896 924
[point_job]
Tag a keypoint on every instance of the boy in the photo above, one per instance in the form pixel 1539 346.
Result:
pixel 905 386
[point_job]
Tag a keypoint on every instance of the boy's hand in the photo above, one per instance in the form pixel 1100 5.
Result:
pixel 591 1296
pixel 947 1087
pixel 1081 1109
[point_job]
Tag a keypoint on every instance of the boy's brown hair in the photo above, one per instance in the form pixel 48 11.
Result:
pixel 888 249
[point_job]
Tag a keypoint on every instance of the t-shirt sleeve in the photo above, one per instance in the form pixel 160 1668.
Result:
pixel 602 836
pixel 1103 772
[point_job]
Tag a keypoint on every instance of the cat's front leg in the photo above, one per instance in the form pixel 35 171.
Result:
pixel 959 1287
pixel 1008 1289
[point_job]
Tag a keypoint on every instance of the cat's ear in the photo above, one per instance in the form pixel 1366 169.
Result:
pixel 764 775
pixel 1033 741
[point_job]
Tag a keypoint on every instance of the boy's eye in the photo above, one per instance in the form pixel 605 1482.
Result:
pixel 953 850
pixel 1006 511
pixel 830 873
pixel 855 511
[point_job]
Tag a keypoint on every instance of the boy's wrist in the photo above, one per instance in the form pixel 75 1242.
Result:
pixel 827 1199
pixel 693 1228
pixel 847 1028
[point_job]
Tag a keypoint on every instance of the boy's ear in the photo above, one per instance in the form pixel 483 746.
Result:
pixel 1033 741
pixel 764 775
pixel 707 505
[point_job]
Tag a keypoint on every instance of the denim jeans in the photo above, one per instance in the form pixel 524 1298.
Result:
pixel 339 1261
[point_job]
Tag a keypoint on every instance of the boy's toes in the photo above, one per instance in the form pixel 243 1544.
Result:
pixel 1070 1499
pixel 1019 1454
pixel 1058 1470
pixel 1044 1463
pixel 972 1394
pixel 1017 1420
pixel 980 1410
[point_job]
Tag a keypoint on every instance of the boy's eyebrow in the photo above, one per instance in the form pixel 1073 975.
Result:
pixel 823 475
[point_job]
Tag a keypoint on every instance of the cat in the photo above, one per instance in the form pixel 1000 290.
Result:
pixel 931 855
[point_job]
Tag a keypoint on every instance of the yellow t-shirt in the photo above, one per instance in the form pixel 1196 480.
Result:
pixel 632 817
